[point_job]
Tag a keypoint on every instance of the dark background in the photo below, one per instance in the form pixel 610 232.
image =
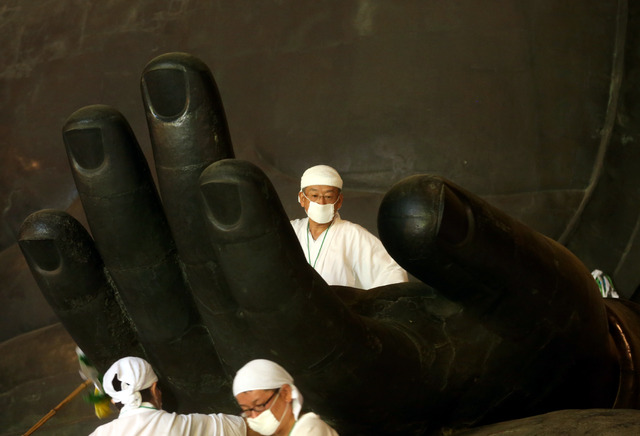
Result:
pixel 530 104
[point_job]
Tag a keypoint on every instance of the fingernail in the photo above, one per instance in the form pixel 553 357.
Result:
pixel 85 147
pixel 42 252
pixel 223 203
pixel 166 89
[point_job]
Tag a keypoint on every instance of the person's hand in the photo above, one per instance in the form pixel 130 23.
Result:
pixel 505 322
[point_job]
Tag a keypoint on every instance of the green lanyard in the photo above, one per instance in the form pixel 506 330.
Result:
pixel 326 232
pixel 294 426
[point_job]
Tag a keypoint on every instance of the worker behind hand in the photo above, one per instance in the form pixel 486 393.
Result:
pixel 271 403
pixel 342 252
pixel 132 382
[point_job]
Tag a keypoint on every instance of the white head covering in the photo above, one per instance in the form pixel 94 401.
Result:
pixel 320 175
pixel 135 374
pixel 265 374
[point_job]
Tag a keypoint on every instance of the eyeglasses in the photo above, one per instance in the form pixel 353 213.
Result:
pixel 259 408
pixel 316 198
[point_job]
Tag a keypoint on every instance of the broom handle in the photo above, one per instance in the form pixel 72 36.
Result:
pixel 53 411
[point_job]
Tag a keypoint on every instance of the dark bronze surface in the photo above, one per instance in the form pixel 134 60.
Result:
pixel 504 323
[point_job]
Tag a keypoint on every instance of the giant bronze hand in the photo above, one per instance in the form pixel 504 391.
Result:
pixel 505 322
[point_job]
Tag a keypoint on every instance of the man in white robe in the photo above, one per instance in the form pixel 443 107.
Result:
pixel 342 252
pixel 132 382
pixel 271 403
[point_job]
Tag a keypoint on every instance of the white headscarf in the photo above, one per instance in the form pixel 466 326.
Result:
pixel 321 175
pixel 135 374
pixel 265 374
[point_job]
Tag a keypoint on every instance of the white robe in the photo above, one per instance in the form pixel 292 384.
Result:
pixel 151 422
pixel 348 255
pixel 310 424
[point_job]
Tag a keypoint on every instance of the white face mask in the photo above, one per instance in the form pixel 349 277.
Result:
pixel 320 213
pixel 266 423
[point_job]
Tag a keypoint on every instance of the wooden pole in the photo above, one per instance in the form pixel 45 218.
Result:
pixel 53 411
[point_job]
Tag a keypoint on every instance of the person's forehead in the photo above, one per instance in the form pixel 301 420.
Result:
pixel 322 189
pixel 253 397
